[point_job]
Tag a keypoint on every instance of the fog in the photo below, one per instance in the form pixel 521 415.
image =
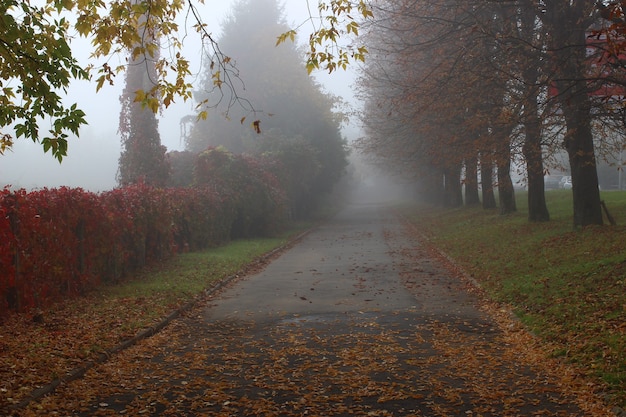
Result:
pixel 92 159
pixel 370 184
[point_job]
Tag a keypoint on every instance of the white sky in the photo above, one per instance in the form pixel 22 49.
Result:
pixel 92 159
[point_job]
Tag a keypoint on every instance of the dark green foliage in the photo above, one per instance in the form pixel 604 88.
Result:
pixel 257 196
pixel 36 65
pixel 143 157
pixel 181 165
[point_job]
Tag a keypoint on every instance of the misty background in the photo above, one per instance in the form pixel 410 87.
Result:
pixel 92 160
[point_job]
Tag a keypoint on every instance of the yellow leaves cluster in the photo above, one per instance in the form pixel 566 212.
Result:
pixel 137 28
pixel 337 23
pixel 6 142
pixel 147 100
pixel 290 34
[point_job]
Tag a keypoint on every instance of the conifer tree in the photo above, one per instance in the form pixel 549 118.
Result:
pixel 143 156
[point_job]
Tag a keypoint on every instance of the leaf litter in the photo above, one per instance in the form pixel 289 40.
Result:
pixel 369 363
pixel 422 367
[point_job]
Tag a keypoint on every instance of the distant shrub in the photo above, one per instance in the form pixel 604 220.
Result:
pixel 258 196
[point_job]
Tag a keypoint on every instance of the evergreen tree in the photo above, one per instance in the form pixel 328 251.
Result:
pixel 277 91
pixel 143 157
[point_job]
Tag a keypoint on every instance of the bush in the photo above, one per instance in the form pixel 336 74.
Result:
pixel 47 245
pixel 258 197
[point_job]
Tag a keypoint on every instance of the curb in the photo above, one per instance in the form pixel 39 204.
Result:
pixel 423 239
pixel 80 371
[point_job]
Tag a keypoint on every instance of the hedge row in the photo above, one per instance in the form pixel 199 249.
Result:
pixel 57 243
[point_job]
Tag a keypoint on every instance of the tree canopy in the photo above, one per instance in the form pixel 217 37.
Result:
pixel 37 63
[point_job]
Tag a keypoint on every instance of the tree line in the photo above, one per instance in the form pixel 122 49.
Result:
pixel 452 89
pixel 457 91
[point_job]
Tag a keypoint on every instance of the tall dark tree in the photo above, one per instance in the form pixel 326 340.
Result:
pixel 143 156
pixel 268 84
pixel 524 49
pixel 568 22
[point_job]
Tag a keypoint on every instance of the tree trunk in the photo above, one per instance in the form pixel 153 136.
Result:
pixel 537 208
pixel 567 23
pixel 471 182
pixel 486 177
pixel 582 161
pixel 531 117
pixel 452 186
pixel 580 149
pixel 506 192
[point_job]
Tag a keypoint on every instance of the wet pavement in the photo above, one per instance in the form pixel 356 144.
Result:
pixel 355 319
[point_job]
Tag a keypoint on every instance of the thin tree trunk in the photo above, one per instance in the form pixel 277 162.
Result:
pixel 531 118
pixel 537 208
pixel 471 182
pixel 486 177
pixel 453 190
pixel 506 192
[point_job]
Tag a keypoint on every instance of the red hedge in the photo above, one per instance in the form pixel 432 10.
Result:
pixel 56 243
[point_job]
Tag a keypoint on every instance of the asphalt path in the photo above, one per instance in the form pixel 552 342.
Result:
pixel 355 319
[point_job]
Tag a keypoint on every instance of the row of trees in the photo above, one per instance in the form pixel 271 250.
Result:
pixel 457 90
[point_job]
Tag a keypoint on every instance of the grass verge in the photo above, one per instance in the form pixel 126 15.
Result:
pixel 38 348
pixel 568 286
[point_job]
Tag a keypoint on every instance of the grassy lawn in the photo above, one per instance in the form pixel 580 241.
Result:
pixel 568 286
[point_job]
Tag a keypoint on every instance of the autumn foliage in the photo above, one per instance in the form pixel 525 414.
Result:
pixel 57 243
pixel 258 198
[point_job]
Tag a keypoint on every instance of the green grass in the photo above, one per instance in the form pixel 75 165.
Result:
pixel 155 291
pixel 568 286
pixel 190 273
